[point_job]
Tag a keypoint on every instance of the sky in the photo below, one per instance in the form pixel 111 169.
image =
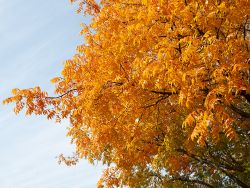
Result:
pixel 36 37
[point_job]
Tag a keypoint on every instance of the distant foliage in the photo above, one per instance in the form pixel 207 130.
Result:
pixel 159 92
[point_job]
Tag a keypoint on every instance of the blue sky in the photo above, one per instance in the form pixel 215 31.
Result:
pixel 36 37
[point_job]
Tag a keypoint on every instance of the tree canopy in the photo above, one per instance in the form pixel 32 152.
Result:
pixel 159 92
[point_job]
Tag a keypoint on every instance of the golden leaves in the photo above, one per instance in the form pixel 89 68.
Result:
pixel 153 75
pixel 55 80
pixel 145 2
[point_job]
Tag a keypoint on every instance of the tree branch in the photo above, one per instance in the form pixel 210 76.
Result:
pixel 239 111
pixel 216 166
pixel 61 96
pixel 164 92
pixel 192 181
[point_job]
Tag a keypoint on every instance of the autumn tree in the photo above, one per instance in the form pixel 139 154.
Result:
pixel 159 92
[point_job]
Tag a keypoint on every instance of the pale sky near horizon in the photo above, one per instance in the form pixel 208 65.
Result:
pixel 36 36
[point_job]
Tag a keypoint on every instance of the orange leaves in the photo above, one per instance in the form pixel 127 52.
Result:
pixel 177 163
pixel 110 177
pixel 27 97
pixel 145 2
pixel 69 161
pixel 55 80
pixel 190 120
pixel 189 53
pixel 213 98
pixel 154 77
pixel 228 129
pixel 91 6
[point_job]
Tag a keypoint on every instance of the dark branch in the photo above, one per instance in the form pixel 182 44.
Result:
pixel 239 111
pixel 246 95
pixel 156 103
pixel 61 96
pixel 192 181
pixel 222 168
pixel 164 92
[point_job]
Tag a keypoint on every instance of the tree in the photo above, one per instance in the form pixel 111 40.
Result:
pixel 159 92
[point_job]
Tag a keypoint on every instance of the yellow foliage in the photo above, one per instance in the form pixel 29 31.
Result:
pixel 154 78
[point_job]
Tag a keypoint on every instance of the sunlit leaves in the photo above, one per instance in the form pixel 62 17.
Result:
pixel 160 92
